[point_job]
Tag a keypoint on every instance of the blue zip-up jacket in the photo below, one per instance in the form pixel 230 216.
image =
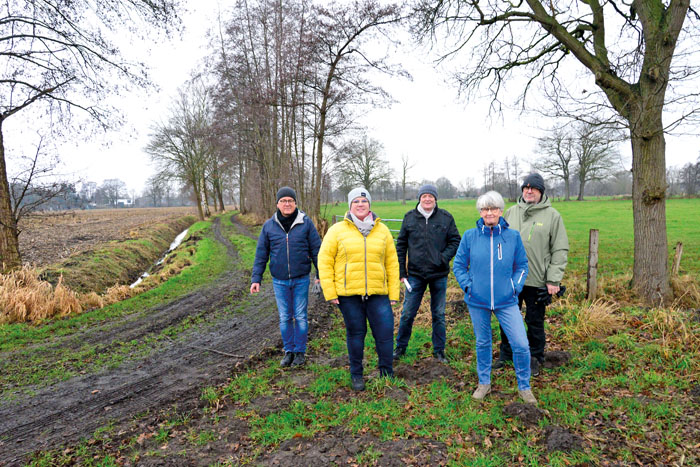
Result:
pixel 491 265
pixel 290 254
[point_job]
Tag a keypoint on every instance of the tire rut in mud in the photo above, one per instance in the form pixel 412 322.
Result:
pixel 67 411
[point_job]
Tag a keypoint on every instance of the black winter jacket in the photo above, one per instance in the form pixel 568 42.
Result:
pixel 430 244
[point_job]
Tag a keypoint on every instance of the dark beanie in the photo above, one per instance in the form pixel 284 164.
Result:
pixel 285 191
pixel 427 189
pixel 533 180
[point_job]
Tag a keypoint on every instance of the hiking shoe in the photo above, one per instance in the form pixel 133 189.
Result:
pixel 500 363
pixel 481 391
pixel 527 396
pixel 399 352
pixel 440 356
pixel 534 367
pixel 358 383
pixel 299 359
pixel 287 360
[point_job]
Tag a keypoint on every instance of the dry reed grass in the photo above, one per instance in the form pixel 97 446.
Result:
pixel 597 319
pixel 26 298
pixel 673 331
pixel 423 315
pixel 686 289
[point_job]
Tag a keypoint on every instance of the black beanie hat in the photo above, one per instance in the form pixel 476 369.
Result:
pixel 533 180
pixel 286 191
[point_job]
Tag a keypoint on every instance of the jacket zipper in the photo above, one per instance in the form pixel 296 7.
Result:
pixel 491 255
pixel 500 252
pixel 289 268
pixel 366 286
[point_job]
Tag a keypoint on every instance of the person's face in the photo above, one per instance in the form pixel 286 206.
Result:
pixel 491 215
pixel 427 201
pixel 286 205
pixel 359 207
pixel 531 195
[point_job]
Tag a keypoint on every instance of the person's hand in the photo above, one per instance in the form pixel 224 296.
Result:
pixel 392 302
pixel 552 289
pixel 335 301
pixel 255 287
pixel 317 281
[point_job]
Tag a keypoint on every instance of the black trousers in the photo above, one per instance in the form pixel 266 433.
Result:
pixel 534 318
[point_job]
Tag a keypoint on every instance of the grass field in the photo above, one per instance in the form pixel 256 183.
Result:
pixel 628 396
pixel 613 218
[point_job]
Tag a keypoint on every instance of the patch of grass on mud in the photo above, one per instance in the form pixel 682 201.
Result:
pixel 625 398
pixel 44 364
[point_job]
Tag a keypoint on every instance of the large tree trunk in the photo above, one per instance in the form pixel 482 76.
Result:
pixel 650 279
pixel 567 189
pixel 9 244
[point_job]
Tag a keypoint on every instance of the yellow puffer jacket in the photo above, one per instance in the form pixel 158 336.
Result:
pixel 351 264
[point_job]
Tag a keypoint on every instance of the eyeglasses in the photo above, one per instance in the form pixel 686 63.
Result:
pixel 530 188
pixel 492 209
pixel 360 201
pixel 286 201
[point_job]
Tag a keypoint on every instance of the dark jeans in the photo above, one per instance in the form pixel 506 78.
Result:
pixel 438 289
pixel 376 309
pixel 534 318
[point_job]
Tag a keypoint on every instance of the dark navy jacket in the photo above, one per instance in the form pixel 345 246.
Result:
pixel 290 254
pixel 491 265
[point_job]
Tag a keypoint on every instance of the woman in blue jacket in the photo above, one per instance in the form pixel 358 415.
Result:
pixel 491 267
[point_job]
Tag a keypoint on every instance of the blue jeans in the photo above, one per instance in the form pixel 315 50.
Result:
pixel 376 309
pixel 511 322
pixel 438 290
pixel 292 298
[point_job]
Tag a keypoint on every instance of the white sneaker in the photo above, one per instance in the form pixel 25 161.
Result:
pixel 527 396
pixel 481 391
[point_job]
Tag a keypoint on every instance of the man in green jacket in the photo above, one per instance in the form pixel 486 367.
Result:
pixel 547 246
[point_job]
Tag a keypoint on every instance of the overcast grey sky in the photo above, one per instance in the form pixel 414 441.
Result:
pixel 441 135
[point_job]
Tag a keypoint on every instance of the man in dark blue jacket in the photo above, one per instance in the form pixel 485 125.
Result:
pixel 290 241
pixel 429 237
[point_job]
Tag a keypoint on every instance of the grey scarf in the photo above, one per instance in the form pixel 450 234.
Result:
pixel 365 226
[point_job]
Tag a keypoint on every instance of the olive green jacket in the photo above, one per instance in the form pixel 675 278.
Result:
pixel 544 236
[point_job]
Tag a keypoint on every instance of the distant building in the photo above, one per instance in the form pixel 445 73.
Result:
pixel 124 203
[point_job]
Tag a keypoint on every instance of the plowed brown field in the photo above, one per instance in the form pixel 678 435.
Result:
pixel 46 238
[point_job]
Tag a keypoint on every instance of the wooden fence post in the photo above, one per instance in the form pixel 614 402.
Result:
pixel 335 218
pixel 592 280
pixel 677 259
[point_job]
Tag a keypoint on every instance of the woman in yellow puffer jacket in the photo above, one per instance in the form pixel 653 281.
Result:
pixel 359 272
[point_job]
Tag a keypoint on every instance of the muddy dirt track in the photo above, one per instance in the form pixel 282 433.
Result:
pixel 175 372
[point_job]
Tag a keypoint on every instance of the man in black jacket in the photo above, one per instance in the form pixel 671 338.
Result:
pixel 430 238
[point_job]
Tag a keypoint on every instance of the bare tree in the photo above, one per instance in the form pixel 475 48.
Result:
pixel 112 189
pixel 343 34
pixel 181 147
pixel 555 157
pixel 633 73
pixel 56 58
pixel 405 167
pixel 360 162
pixel 596 154
pixel 35 184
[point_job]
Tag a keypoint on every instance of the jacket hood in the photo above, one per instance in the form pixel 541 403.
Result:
pixel 497 229
pixel 530 209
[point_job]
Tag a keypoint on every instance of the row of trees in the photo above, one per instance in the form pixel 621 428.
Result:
pixel 287 78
